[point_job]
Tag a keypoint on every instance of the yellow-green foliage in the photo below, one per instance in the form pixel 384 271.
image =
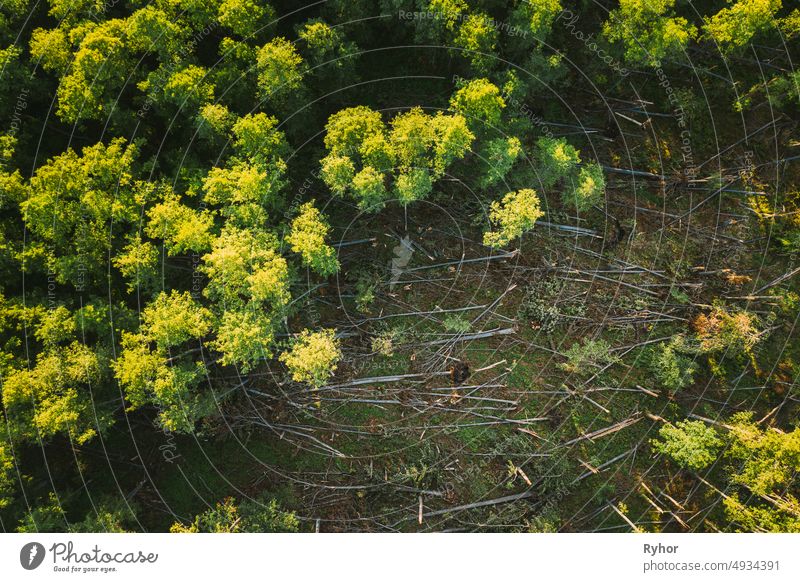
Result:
pixel 538 15
pixel 647 30
pixel 244 338
pixel 691 444
pixel 8 473
pixel 770 458
pixel 148 373
pixel 480 102
pixel 54 396
pixel 364 156
pixel 766 462
pixel 70 201
pixel 477 36
pixel 724 329
pixel 245 17
pixel 181 228
pixel 734 27
pixel 138 263
pixel 590 186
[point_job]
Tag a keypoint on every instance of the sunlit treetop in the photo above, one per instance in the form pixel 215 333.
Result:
pixel 647 30
pixel 499 156
pixel 411 135
pixel 155 365
pixel 281 70
pixel 372 162
pixel 96 57
pixel 516 214
pixel 690 443
pixel 327 49
pixel 55 396
pixel 252 179
pixel 413 184
pixel 138 263
pixel 181 227
pixel 150 376
pixel 734 27
pixel 313 357
pixel 72 11
pixel 452 140
pixel 245 337
pixel 556 159
pixel 368 187
pixel 214 121
pixel 244 265
pixel 338 172
pixel 449 12
pixel 472 36
pixel 189 88
pixel 538 15
pixel 478 37
pixel 52 49
pixel 245 190
pixel 307 237
pixel 587 189
pixel 71 202
pixel 101 61
pixel 55 326
pixel 258 137
pixel 153 29
pixel 377 152
pixel 771 458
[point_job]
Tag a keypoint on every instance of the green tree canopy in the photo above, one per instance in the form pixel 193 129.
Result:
pixel 307 237
pixel 365 158
pixel 313 356
pixel 249 516
pixel 516 214
pixel 648 31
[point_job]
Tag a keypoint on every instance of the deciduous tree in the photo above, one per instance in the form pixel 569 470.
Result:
pixel 313 357
pixel 690 443
pixel 516 214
